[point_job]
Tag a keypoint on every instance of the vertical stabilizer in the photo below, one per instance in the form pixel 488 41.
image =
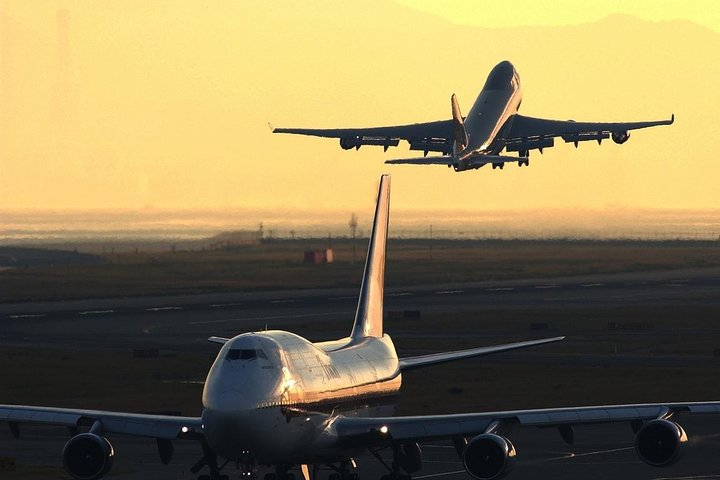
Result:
pixel 369 315
pixel 461 138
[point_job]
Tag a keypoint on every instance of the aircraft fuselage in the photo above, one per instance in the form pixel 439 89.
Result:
pixel 269 395
pixel 498 100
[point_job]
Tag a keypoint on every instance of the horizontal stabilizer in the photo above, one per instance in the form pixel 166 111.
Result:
pixel 436 358
pixel 421 161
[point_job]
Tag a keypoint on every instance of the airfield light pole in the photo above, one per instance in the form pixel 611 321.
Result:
pixel 353 228
pixel 431 241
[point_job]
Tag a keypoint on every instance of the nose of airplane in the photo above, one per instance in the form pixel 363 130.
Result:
pixel 228 426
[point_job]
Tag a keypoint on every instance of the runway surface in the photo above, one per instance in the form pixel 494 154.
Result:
pixel 600 453
pixel 188 320
pixel 184 323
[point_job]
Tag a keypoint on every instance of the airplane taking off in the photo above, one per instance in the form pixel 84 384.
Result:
pixel 492 125
pixel 274 398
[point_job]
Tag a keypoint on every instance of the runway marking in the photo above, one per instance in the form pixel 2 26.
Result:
pixel 288 300
pixel 448 292
pixel 402 294
pixel 568 455
pixel 692 477
pixel 272 317
pixel 221 305
pixel 440 474
pixel 590 285
pixel 27 315
pixel 96 312
pixel 539 287
pixel 162 309
pixel 500 289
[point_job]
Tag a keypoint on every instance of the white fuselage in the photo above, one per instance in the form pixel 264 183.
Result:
pixel 498 100
pixel 268 393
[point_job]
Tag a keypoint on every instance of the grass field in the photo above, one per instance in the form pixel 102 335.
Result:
pixel 279 265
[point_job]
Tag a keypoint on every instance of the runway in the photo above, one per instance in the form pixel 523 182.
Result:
pixel 600 453
pixel 419 318
pixel 187 320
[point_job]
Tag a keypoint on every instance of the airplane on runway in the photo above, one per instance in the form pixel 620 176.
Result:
pixel 493 124
pixel 274 398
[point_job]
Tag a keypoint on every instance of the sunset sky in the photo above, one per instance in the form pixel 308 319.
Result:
pixel 166 104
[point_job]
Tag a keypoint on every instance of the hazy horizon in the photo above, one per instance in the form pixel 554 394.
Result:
pixel 38 225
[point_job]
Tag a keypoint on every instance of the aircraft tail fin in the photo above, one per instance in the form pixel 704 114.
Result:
pixel 461 138
pixel 369 314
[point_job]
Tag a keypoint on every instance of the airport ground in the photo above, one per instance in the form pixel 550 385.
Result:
pixel 634 334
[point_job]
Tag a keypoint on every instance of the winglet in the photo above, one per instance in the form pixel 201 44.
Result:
pixel 369 314
pixel 218 340
pixel 672 119
pixel 272 129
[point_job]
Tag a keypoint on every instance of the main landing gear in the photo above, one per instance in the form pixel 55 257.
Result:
pixel 210 460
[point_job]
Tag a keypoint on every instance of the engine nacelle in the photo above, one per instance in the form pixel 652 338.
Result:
pixel 87 456
pixel 349 142
pixel 489 457
pixel 620 137
pixel 659 442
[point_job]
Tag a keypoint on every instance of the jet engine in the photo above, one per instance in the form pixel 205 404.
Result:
pixel 659 442
pixel 488 457
pixel 620 137
pixel 87 456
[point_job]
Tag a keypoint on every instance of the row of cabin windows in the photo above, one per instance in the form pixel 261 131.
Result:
pixel 245 354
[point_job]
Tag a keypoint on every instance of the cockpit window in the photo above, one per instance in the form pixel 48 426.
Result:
pixel 244 354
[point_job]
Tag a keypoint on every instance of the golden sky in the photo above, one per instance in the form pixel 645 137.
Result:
pixel 166 103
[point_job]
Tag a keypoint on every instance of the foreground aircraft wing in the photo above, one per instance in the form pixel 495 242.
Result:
pixel 530 132
pixel 430 136
pixel 383 430
pixel 408 363
pixel 153 426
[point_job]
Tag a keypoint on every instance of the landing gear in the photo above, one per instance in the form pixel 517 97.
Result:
pixel 498 165
pixel 209 459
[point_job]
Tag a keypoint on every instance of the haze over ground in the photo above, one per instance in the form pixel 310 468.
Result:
pixel 165 105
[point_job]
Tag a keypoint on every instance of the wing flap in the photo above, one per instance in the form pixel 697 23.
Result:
pixel 408 363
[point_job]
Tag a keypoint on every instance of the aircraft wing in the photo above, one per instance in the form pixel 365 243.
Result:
pixel 385 430
pixel 408 363
pixel 153 426
pixel 530 132
pixel 429 136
